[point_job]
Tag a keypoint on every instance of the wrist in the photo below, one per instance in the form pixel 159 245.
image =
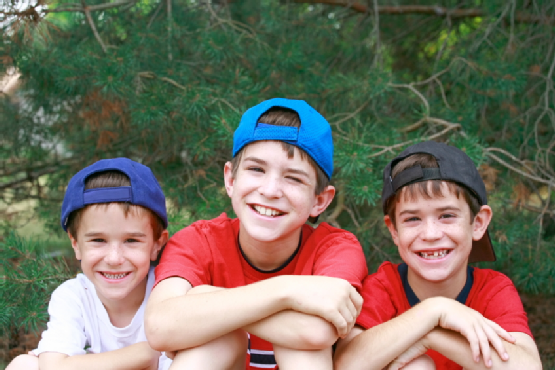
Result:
pixel 281 287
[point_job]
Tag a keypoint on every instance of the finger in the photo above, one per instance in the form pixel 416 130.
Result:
pixel 474 344
pixel 501 332
pixel 394 366
pixel 349 318
pixel 357 300
pixel 496 342
pixel 484 346
pixel 352 309
pixel 338 321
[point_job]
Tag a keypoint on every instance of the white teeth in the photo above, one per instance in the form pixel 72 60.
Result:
pixel 114 276
pixel 266 211
pixel 433 255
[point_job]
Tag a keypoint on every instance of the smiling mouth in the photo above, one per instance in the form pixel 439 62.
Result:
pixel 115 276
pixel 434 255
pixel 266 211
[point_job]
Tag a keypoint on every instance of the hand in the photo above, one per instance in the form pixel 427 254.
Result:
pixel 332 299
pixel 413 352
pixel 478 330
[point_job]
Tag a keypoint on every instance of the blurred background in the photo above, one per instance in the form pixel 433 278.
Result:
pixel 165 82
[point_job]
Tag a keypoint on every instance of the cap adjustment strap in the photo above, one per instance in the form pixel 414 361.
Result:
pixel 264 131
pixel 106 195
pixel 414 174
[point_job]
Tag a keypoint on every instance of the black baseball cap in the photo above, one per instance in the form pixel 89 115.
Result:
pixel 455 166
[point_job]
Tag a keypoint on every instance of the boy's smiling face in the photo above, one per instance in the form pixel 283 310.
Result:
pixel 273 195
pixel 115 252
pixel 434 236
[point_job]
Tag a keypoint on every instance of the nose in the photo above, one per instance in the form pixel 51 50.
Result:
pixel 115 254
pixel 430 230
pixel 270 186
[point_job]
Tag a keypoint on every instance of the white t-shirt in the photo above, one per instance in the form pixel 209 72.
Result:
pixel 79 322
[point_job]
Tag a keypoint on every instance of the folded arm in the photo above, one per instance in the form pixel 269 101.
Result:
pixel 138 356
pixel 523 354
pixel 289 329
pixel 382 344
pixel 376 347
pixel 173 313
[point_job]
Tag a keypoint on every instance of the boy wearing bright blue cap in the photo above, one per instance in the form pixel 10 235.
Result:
pixel 114 212
pixel 264 288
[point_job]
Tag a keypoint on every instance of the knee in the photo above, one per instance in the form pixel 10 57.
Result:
pixel 423 362
pixel 24 362
pixel 226 352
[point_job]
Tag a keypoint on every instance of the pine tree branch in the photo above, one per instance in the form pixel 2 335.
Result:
pixel 439 11
pixel 93 27
pixel 488 152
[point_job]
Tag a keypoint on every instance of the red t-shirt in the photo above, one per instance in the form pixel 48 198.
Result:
pixel 492 294
pixel 208 252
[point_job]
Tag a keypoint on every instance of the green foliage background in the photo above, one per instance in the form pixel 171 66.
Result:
pixel 165 83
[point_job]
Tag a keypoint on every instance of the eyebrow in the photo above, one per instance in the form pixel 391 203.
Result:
pixel 441 209
pixel 93 234
pixel 289 169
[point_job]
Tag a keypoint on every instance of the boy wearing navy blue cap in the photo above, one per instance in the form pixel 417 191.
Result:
pixel 433 311
pixel 114 212
pixel 263 288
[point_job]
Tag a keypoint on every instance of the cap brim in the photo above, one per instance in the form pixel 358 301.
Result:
pixel 482 250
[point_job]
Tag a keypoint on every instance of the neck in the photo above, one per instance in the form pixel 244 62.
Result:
pixel 122 311
pixel 449 288
pixel 268 255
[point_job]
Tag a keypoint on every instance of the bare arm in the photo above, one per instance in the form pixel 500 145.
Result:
pixel 289 329
pixel 376 347
pixel 172 314
pixel 138 356
pixel 382 344
pixel 523 354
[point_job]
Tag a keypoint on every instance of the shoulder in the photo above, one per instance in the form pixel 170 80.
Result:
pixel 221 226
pixel 495 296
pixel 77 287
pixel 386 277
pixel 72 297
pixel 487 281
pixel 324 232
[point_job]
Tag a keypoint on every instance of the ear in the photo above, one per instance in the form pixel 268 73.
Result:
pixel 392 229
pixel 228 178
pixel 481 222
pixel 75 246
pixel 158 244
pixel 322 201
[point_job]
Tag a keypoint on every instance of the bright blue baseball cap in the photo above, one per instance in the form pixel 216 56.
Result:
pixel 313 136
pixel 144 191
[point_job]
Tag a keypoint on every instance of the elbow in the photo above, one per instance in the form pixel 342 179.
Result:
pixel 155 333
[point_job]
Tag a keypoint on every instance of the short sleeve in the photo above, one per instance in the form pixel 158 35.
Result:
pixel 341 256
pixel 187 255
pixel 501 304
pixel 378 306
pixel 65 332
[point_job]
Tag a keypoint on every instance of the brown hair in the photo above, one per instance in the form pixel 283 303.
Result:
pixel 113 179
pixel 411 191
pixel 279 116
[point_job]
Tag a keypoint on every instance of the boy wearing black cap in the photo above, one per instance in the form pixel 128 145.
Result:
pixel 232 292
pixel 114 212
pixel 434 311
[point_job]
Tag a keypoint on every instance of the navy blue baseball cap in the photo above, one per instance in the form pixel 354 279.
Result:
pixel 455 166
pixel 313 136
pixel 144 191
